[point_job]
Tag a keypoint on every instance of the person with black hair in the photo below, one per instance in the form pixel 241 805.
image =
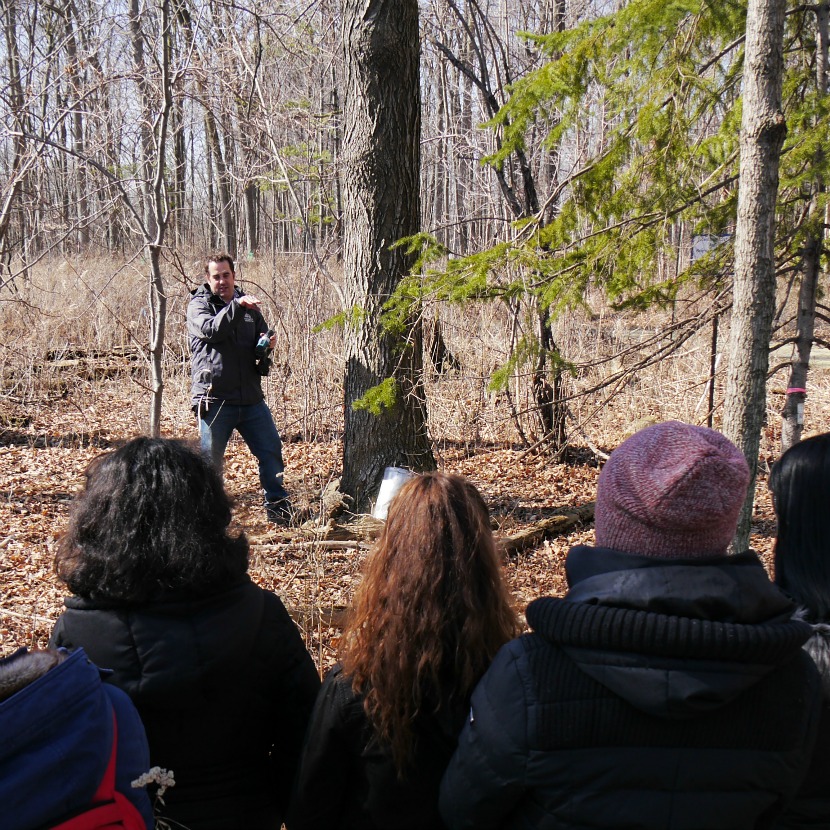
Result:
pixel 214 664
pixel 225 327
pixel 800 485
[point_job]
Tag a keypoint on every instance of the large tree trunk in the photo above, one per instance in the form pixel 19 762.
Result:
pixel 382 204
pixel 762 134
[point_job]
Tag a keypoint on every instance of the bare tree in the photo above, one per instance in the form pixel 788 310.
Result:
pixel 793 413
pixel 154 132
pixel 381 145
pixel 763 130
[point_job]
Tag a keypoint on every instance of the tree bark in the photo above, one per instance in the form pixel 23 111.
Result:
pixel 762 134
pixel 156 230
pixel 78 138
pixel 792 415
pixel 381 145
pixel 145 129
pixel 11 190
pixel 226 212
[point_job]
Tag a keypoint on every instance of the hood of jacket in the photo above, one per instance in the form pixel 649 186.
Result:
pixel 672 637
pixel 174 650
pixel 57 739
pixel 818 647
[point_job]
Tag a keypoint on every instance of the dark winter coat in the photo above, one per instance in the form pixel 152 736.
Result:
pixel 347 779
pixel 222 342
pixel 56 743
pixel 225 688
pixel 811 807
pixel 658 694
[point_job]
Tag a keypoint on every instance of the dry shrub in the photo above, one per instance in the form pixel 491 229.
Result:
pixel 73 324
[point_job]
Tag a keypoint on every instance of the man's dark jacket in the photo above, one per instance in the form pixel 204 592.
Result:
pixel 225 688
pixel 657 695
pixel 222 342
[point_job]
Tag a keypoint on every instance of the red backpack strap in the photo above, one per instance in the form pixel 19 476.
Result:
pixel 106 788
pixel 110 808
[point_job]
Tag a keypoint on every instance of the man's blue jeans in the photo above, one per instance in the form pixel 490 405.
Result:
pixel 256 426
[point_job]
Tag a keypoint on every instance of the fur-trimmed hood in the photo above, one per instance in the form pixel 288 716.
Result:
pixel 818 647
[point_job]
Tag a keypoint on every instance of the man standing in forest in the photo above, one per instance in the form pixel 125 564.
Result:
pixel 226 365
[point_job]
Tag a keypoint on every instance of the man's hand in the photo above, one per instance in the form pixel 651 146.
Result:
pixel 249 301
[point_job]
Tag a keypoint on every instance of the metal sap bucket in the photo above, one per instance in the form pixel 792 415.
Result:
pixel 393 479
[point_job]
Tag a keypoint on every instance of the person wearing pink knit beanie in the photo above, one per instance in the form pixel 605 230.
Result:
pixel 668 689
pixel 671 490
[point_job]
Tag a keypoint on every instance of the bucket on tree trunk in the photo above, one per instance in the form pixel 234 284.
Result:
pixel 393 479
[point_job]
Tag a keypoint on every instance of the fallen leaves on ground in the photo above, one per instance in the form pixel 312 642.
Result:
pixel 42 465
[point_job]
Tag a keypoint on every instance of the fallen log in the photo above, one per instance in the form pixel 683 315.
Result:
pixel 562 522
pixel 327 544
pixel 334 616
pixel 359 534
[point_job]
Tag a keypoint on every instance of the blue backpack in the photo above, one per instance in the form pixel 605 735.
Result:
pixel 110 809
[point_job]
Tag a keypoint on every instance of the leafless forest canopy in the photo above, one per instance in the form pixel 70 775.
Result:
pixel 253 158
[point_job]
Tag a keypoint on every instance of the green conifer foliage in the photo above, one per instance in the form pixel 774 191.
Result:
pixel 643 106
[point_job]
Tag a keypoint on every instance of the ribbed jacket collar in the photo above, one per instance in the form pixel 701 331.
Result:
pixel 733 626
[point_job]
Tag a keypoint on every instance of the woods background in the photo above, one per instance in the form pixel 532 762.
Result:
pixel 579 172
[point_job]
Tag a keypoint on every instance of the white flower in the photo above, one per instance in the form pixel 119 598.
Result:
pixel 156 775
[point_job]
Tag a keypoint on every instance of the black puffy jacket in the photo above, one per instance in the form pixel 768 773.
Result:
pixel 811 806
pixel 658 695
pixel 347 778
pixel 224 686
pixel 223 338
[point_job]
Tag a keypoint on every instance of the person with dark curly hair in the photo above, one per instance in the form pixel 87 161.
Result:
pixel 429 615
pixel 214 664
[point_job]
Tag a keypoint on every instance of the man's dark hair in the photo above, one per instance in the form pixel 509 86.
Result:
pixel 151 520
pixel 219 256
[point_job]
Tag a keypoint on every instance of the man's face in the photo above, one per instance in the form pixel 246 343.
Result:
pixel 220 279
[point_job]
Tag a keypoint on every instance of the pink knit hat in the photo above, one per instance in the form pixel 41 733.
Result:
pixel 671 490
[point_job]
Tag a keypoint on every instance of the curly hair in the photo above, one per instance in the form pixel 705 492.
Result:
pixel 151 519
pixel 431 611
pixel 800 485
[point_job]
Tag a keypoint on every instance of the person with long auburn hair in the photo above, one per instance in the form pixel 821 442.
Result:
pixel 214 664
pixel 428 617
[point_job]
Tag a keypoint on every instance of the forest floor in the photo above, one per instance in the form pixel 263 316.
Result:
pixel 43 456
